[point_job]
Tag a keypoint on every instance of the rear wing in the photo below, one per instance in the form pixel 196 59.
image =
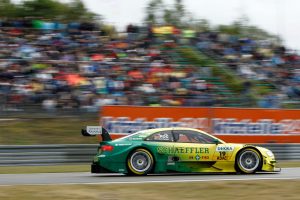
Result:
pixel 96 130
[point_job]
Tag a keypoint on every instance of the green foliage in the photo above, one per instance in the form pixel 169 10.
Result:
pixel 153 11
pixel 109 30
pixel 195 57
pixel 262 90
pixel 201 25
pixel 229 29
pixel 232 81
pixel 48 9
pixel 77 10
pixel 41 8
pixel 159 13
pixel 171 15
pixel 242 28
pixel 7 8
pixel 168 16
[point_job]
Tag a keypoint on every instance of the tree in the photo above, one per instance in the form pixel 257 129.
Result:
pixel 243 28
pixel 7 9
pixel 49 9
pixel 170 16
pixel 201 25
pixel 179 12
pixel 41 8
pixel 77 11
pixel 153 11
pixel 175 15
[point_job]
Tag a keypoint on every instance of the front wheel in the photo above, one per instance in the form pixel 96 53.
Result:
pixel 248 161
pixel 140 162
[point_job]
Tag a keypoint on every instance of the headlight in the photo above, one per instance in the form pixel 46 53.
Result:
pixel 269 153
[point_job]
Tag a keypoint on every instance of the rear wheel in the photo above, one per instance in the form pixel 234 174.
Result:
pixel 248 161
pixel 140 162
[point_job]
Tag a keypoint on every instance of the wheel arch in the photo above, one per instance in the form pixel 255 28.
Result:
pixel 248 147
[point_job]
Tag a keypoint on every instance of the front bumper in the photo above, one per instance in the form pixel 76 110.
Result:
pixel 269 165
pixel 96 169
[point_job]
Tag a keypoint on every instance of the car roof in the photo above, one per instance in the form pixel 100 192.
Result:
pixel 183 128
pixel 173 128
pixel 147 132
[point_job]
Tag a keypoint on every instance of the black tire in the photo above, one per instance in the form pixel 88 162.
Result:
pixel 140 162
pixel 248 161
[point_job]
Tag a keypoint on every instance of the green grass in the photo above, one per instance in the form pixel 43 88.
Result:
pixel 246 190
pixel 62 130
pixel 288 164
pixel 44 169
pixel 86 168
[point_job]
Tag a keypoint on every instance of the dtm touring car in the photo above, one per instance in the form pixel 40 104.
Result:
pixel 183 150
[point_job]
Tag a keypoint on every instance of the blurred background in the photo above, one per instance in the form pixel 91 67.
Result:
pixel 62 61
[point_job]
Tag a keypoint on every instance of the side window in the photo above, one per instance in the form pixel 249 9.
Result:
pixel 162 136
pixel 188 136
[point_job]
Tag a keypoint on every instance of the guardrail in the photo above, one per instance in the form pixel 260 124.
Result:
pixel 83 153
pixel 46 154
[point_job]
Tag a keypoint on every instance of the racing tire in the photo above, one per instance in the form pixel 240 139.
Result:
pixel 140 162
pixel 248 161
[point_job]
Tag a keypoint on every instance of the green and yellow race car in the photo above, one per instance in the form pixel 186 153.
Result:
pixel 182 150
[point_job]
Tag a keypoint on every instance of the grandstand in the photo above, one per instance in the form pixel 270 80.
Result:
pixel 76 66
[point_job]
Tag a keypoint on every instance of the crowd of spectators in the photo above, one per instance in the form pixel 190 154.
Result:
pixel 263 61
pixel 77 65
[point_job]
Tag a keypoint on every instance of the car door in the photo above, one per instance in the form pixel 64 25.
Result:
pixel 193 151
pixel 162 143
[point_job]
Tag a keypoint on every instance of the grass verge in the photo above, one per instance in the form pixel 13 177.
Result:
pixel 44 169
pixel 62 130
pixel 246 190
pixel 288 164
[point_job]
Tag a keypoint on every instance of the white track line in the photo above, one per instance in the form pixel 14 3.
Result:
pixel 155 181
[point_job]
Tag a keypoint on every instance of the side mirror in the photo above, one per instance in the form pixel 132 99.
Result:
pixel 216 141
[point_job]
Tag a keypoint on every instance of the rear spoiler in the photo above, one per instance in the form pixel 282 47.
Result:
pixel 96 130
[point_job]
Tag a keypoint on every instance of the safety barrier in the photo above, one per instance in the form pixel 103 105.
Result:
pixel 83 153
pixel 46 154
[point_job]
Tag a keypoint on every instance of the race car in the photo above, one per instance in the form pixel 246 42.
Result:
pixel 183 150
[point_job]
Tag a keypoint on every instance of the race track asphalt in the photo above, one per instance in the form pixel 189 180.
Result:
pixel 88 178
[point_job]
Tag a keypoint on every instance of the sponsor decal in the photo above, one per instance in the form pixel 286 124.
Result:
pixel 222 156
pixel 204 157
pixel 171 163
pixel 137 138
pixel 123 144
pixel 94 130
pixel 161 136
pixel 197 157
pixel 246 126
pixel 224 148
pixel 182 150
